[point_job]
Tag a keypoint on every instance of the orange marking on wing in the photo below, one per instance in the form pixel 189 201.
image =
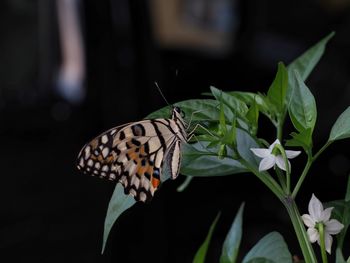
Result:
pixel 141 169
pixel 100 159
pixel 133 155
pixel 110 159
pixel 155 182
pixel 142 150
pixel 149 169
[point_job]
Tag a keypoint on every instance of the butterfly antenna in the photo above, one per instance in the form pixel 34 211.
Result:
pixel 161 93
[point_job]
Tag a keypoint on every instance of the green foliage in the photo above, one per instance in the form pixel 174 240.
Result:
pixel 278 90
pixel 302 108
pixel 228 130
pixel 253 117
pixel 339 258
pixel 347 195
pixel 202 251
pixel 236 105
pixel 341 128
pixel 198 161
pixel 305 63
pixel 232 242
pixel 271 248
pixel 251 98
pixel 302 139
pixel 117 205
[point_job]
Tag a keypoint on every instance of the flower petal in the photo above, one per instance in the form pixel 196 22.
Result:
pixel 308 221
pixel 313 234
pixel 261 152
pixel 292 154
pixel 328 240
pixel 315 208
pixel 326 214
pixel 333 226
pixel 267 163
pixel 280 162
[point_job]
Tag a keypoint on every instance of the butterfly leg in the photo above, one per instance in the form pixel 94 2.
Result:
pixel 191 133
pixel 193 113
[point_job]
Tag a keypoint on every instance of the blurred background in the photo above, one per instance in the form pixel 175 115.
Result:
pixel 71 69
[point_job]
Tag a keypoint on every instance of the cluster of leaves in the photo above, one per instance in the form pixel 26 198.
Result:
pixel 270 249
pixel 229 129
pixel 232 119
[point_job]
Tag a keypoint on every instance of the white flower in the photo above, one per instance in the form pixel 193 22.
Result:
pixel 269 159
pixel 318 215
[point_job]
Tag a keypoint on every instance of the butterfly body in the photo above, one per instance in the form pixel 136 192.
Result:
pixel 135 154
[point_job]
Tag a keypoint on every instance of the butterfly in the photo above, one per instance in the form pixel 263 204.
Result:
pixel 137 154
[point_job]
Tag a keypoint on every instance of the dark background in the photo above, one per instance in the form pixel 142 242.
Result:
pixel 49 212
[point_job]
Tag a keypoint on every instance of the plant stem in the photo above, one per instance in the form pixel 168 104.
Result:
pixel 324 147
pixel 281 179
pixel 284 155
pixel 302 177
pixel 280 129
pixel 322 243
pixel 185 183
pixel 310 160
pixel 305 245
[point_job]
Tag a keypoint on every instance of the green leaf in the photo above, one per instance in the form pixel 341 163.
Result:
pixel 117 205
pixel 347 195
pixel 305 63
pixel 253 117
pixel 233 239
pixel 197 109
pixel 250 98
pixel 222 120
pixel 232 102
pixel 263 103
pixel 302 139
pixel 339 258
pixel 244 143
pixel 302 108
pixel 261 260
pixel 341 128
pixel 271 247
pixel 202 251
pixel 230 137
pixel 278 89
pixel 199 160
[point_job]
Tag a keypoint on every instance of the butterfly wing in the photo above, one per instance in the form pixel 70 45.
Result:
pixel 132 154
pixel 173 159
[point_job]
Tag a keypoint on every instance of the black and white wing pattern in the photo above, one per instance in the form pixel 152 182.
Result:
pixel 134 154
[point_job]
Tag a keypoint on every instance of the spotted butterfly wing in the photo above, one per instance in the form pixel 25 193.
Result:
pixel 134 154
